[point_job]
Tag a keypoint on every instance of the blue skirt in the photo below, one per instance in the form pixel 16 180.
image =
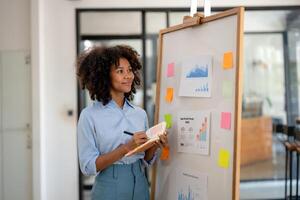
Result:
pixel 121 182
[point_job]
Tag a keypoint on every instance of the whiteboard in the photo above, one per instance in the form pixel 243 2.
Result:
pixel 200 168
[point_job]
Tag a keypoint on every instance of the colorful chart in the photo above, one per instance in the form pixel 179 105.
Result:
pixel 192 184
pixel 186 196
pixel 196 77
pixel 202 131
pixel 198 72
pixel 193 132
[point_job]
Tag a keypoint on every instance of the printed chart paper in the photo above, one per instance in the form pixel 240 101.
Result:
pixel 196 77
pixel 194 132
pixel 191 185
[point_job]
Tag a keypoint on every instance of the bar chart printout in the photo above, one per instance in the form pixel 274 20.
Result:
pixel 192 185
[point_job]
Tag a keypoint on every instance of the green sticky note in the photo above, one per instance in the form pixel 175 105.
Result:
pixel 168 119
pixel 224 157
pixel 227 89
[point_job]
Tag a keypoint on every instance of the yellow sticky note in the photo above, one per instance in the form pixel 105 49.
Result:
pixel 228 60
pixel 165 153
pixel 224 157
pixel 169 95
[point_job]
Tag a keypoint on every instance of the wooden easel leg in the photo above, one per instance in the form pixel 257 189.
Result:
pixel 286 168
pixel 291 175
pixel 297 175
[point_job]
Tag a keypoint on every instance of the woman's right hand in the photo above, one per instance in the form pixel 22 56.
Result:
pixel 137 139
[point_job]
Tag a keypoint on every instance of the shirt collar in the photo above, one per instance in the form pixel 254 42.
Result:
pixel 113 104
pixel 128 103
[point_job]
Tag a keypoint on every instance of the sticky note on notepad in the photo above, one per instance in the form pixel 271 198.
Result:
pixel 165 153
pixel 223 160
pixel 169 95
pixel 228 60
pixel 226 120
pixel 170 69
pixel 168 120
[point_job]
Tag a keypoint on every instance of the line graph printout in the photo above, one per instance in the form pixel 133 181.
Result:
pixel 196 77
pixel 192 185
pixel 194 132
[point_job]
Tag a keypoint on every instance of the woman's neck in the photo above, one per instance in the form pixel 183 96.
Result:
pixel 118 98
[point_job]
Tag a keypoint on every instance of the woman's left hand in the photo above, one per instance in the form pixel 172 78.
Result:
pixel 163 140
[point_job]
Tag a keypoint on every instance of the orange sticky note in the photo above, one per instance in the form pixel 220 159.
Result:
pixel 169 95
pixel 165 153
pixel 224 157
pixel 228 60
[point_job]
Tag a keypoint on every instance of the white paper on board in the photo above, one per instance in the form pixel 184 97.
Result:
pixel 191 185
pixel 194 132
pixel 207 8
pixel 194 5
pixel 196 77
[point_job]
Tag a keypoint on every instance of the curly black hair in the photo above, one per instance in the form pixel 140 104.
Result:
pixel 94 66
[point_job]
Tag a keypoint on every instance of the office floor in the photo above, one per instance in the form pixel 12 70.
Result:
pixel 270 169
pixel 265 179
pixel 264 170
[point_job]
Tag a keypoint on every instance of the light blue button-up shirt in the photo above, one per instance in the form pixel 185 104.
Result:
pixel 100 130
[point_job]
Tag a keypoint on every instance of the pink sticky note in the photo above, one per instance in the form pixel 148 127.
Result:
pixel 170 70
pixel 226 120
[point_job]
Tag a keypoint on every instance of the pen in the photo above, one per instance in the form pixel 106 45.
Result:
pixel 128 133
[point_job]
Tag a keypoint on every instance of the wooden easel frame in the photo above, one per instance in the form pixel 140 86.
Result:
pixel 197 20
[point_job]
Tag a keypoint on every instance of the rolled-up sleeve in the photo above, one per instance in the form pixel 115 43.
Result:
pixel 87 146
pixel 150 162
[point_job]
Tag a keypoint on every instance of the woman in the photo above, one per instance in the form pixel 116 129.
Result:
pixel 110 75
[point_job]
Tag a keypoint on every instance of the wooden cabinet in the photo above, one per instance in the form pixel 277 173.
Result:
pixel 256 139
pixel 15 123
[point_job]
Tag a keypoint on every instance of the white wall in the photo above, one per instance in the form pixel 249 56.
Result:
pixel 54 88
pixel 37 109
pixel 15 24
pixel 14 40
